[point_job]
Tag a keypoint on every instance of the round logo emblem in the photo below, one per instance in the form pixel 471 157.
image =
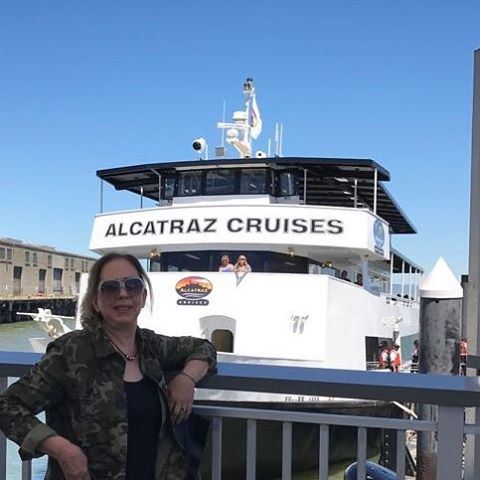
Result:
pixel 193 287
pixel 379 233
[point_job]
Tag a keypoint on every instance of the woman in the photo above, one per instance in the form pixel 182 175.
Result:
pixel 225 264
pixel 242 265
pixel 109 413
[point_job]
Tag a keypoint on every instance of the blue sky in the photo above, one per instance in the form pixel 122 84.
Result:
pixel 91 85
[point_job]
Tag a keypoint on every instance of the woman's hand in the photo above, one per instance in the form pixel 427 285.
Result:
pixel 180 397
pixel 70 457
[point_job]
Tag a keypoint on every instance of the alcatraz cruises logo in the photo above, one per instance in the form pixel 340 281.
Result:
pixel 193 290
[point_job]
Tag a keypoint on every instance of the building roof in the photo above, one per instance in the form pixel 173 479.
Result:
pixel 330 181
pixel 13 242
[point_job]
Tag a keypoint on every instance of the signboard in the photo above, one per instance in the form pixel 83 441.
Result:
pixel 220 226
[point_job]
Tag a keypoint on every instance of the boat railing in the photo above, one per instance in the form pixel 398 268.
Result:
pixel 452 396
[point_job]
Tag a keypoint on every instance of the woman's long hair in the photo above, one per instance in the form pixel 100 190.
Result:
pixel 88 314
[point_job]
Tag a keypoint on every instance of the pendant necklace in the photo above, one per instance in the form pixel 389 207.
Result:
pixel 130 358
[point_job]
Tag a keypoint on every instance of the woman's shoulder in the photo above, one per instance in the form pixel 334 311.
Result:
pixel 71 341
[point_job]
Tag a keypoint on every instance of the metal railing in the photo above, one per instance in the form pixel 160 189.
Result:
pixel 451 394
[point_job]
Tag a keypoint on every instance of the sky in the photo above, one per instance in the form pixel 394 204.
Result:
pixel 91 85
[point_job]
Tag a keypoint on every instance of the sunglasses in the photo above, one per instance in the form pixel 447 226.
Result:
pixel 111 288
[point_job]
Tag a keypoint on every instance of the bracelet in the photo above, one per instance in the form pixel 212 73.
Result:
pixel 189 376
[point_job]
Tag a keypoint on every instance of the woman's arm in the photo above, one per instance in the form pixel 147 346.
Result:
pixel 182 388
pixel 70 457
pixel 31 394
pixel 176 352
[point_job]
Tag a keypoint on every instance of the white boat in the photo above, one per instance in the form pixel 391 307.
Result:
pixel 299 221
pixel 52 324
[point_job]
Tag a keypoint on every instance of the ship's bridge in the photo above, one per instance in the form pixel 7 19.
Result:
pixel 350 183
pixel 294 215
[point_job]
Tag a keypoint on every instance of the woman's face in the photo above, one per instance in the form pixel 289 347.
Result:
pixel 225 260
pixel 242 260
pixel 119 307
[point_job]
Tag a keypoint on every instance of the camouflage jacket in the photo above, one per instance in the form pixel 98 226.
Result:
pixel 79 384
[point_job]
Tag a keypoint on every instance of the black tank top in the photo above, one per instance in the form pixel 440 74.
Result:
pixel 144 413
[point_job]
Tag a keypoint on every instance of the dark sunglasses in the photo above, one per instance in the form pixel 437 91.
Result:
pixel 111 288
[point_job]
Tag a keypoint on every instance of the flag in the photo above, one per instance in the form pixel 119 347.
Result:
pixel 255 119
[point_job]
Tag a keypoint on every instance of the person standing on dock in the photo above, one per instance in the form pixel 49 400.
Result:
pixel 109 412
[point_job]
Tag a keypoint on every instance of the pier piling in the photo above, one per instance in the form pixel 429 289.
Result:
pixel 440 325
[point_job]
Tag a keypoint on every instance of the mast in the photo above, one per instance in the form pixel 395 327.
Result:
pixel 246 124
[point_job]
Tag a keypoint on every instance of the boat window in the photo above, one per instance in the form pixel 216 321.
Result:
pixel 189 183
pixel 182 262
pixel 168 188
pixel 209 261
pixel 220 182
pixel 253 180
pixel 286 184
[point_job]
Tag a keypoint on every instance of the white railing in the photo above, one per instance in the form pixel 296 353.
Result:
pixel 451 394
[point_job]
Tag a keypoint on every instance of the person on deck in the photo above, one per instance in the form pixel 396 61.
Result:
pixel 359 280
pixel 109 411
pixel 384 359
pixel 396 358
pixel 225 264
pixel 415 356
pixel 463 356
pixel 242 265
pixel 344 276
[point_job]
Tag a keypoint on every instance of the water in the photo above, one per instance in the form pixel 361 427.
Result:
pixel 15 337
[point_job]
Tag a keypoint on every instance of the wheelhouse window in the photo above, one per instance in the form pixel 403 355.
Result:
pixel 220 182
pixel 189 184
pixel 286 184
pixel 168 188
pixel 253 181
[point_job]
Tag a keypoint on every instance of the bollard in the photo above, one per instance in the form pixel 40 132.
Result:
pixel 440 324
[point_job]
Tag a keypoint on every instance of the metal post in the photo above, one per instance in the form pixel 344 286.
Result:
pixel 3 440
pixel 355 192
pixel 160 188
pixel 101 196
pixel 472 304
pixel 440 314
pixel 403 278
pixel 409 281
pixel 304 186
pixel 450 442
pixel 391 273
pixel 375 181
